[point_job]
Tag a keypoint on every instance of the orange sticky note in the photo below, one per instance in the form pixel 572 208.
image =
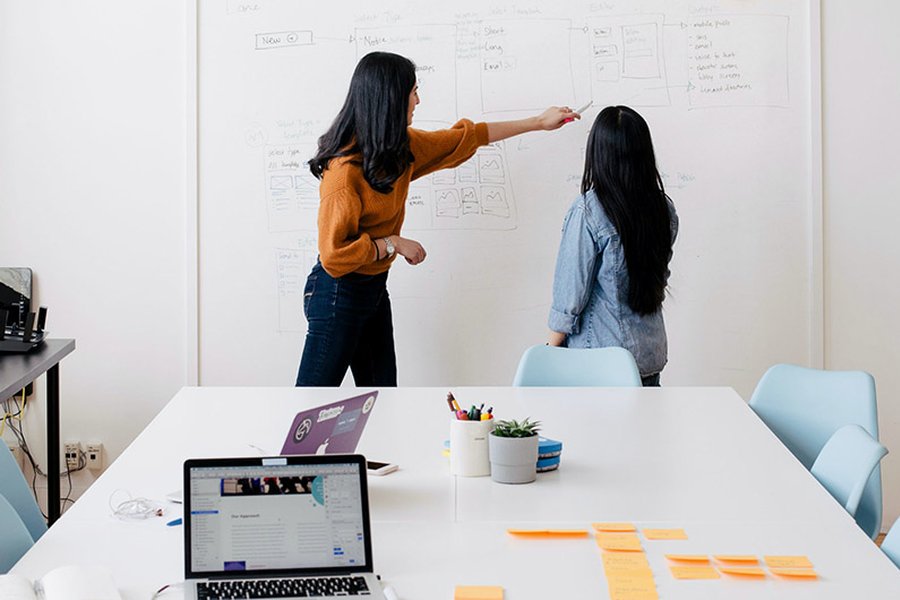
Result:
pixel 788 562
pixel 614 527
pixel 797 573
pixel 548 532
pixel 693 572
pixel 743 571
pixel 664 534
pixel 630 594
pixel 619 542
pixel 691 558
pixel 737 558
pixel 478 592
pixel 628 561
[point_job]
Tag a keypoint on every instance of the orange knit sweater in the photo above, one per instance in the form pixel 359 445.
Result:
pixel 352 214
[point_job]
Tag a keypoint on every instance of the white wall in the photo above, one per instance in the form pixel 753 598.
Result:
pixel 92 197
pixel 93 182
pixel 861 129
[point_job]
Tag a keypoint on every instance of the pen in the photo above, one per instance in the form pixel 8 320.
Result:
pixel 174 522
pixel 579 111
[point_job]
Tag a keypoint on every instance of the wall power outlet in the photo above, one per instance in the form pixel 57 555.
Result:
pixel 73 455
pixel 94 455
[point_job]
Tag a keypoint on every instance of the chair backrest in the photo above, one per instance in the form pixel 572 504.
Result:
pixel 845 463
pixel 804 407
pixel 14 537
pixel 14 487
pixel 891 543
pixel 552 366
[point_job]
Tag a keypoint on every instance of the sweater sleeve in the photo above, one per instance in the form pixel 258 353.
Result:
pixel 342 247
pixel 445 148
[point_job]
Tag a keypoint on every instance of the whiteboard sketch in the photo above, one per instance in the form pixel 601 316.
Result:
pixel 725 78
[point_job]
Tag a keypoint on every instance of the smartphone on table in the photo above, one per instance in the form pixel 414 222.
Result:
pixel 380 468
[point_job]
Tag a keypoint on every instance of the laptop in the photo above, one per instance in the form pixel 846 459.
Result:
pixel 278 527
pixel 331 428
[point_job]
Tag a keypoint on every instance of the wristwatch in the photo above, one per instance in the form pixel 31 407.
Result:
pixel 389 246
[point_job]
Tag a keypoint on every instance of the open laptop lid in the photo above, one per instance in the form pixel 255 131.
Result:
pixel 331 428
pixel 276 516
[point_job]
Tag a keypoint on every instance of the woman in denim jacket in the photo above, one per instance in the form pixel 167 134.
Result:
pixel 613 264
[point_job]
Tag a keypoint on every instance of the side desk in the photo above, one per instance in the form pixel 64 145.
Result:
pixel 17 371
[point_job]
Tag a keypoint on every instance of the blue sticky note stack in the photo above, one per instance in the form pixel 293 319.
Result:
pixel 549 452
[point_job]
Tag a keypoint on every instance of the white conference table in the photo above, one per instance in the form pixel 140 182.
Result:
pixel 691 458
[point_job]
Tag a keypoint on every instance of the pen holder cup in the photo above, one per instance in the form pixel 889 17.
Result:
pixel 469 447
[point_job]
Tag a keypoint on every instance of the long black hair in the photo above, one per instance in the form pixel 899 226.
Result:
pixel 373 121
pixel 620 167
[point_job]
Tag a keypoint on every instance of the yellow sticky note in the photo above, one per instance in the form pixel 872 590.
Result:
pixel 788 562
pixel 614 527
pixel 693 572
pixel 690 558
pixel 664 534
pixel 548 532
pixel 797 573
pixel 743 571
pixel 627 542
pixel 737 558
pixel 625 561
pixel 478 592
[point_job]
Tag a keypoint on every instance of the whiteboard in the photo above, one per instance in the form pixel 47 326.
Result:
pixel 727 88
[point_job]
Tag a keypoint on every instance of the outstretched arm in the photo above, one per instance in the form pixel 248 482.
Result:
pixel 552 118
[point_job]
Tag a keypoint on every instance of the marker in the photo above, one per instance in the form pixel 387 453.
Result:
pixel 579 111
pixel 174 522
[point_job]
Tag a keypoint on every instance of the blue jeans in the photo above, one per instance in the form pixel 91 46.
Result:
pixel 348 325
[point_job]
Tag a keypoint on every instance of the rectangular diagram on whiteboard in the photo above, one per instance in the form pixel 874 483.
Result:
pixel 627 59
pixel 525 64
pixel 475 195
pixel 292 193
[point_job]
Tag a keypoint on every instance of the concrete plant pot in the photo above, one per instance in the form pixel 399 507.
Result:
pixel 513 460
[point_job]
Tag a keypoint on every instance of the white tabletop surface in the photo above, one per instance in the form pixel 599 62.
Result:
pixel 691 458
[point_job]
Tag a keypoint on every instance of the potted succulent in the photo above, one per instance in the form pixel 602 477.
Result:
pixel 513 450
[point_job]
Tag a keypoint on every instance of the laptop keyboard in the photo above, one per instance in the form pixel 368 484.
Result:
pixel 283 588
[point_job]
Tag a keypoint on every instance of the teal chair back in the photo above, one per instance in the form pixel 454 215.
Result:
pixel 553 366
pixel 14 487
pixel 804 407
pixel 891 543
pixel 845 463
pixel 14 537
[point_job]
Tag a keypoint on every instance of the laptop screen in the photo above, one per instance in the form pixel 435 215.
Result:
pixel 275 516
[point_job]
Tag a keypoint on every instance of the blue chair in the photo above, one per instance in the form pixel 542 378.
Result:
pixel 14 487
pixel 890 545
pixel 845 463
pixel 14 537
pixel 804 407
pixel 553 366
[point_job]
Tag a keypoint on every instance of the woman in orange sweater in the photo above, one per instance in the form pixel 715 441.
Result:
pixel 366 161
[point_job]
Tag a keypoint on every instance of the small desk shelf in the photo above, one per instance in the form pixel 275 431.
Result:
pixel 17 371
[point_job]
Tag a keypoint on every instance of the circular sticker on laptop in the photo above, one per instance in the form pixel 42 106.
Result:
pixel 369 403
pixel 302 430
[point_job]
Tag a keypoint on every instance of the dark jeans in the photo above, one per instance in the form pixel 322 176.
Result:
pixel 348 325
pixel 650 380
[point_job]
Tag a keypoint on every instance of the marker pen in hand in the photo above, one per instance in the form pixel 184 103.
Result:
pixel 579 111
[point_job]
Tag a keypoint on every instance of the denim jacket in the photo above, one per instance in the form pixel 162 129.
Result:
pixel 590 289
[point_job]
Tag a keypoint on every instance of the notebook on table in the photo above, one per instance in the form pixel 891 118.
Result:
pixel 278 527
